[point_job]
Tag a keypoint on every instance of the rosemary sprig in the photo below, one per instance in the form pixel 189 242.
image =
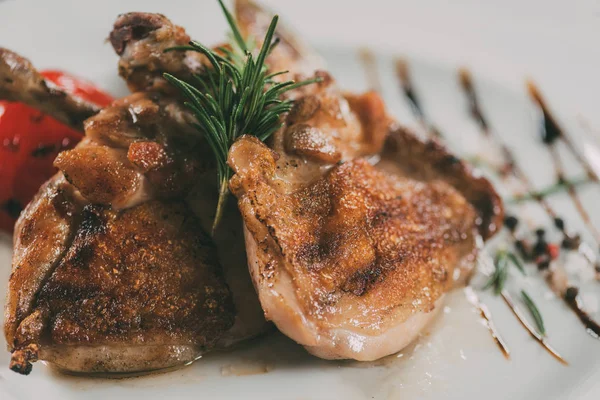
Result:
pixel 549 190
pixel 498 279
pixel 535 312
pixel 515 260
pixel 236 96
pixel 501 264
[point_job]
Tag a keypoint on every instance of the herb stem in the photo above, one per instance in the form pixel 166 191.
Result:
pixel 236 95
pixel 535 312
pixel 223 196
pixel 549 190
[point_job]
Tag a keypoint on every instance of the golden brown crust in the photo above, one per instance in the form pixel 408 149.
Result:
pixel 144 276
pixel 147 274
pixel 406 154
pixel 101 174
pixel 358 237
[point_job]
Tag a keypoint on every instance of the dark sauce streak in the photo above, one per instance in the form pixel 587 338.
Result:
pixel 511 167
pixel 403 74
pixel 485 314
pixel 549 128
pixel 532 332
pixel 591 326
pixel 550 133
pixel 473 298
pixel 407 88
pixel 474 108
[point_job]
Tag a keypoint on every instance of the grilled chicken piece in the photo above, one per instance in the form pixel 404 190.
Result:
pixel 112 271
pixel 96 290
pixel 354 228
pixel 140 39
pixel 20 81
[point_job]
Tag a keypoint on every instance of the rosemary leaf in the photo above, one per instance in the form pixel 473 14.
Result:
pixel 235 96
pixel 552 189
pixel 535 312
pixel 502 265
pixel 492 281
pixel 515 260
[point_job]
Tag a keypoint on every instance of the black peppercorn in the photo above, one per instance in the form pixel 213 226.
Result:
pixel 559 223
pixel 540 248
pixel 540 232
pixel 511 222
pixel 571 293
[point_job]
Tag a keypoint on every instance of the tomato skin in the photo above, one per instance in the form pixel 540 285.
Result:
pixel 29 143
pixel 78 87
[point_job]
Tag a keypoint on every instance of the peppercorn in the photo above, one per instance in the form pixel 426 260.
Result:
pixel 540 247
pixel 559 223
pixel 571 293
pixel 511 222
pixel 540 232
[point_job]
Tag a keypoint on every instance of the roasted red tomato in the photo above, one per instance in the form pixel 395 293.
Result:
pixel 29 142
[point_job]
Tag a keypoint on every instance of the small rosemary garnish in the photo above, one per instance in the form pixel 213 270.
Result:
pixel 535 312
pixel 501 263
pixel 236 96
pixel 561 186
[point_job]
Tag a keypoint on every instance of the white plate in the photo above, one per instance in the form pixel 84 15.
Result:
pixel 455 358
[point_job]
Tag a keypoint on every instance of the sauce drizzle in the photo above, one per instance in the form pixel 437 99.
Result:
pixel 403 75
pixel 513 168
pixel 473 298
pixel 551 133
pixel 591 326
pixel 534 334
